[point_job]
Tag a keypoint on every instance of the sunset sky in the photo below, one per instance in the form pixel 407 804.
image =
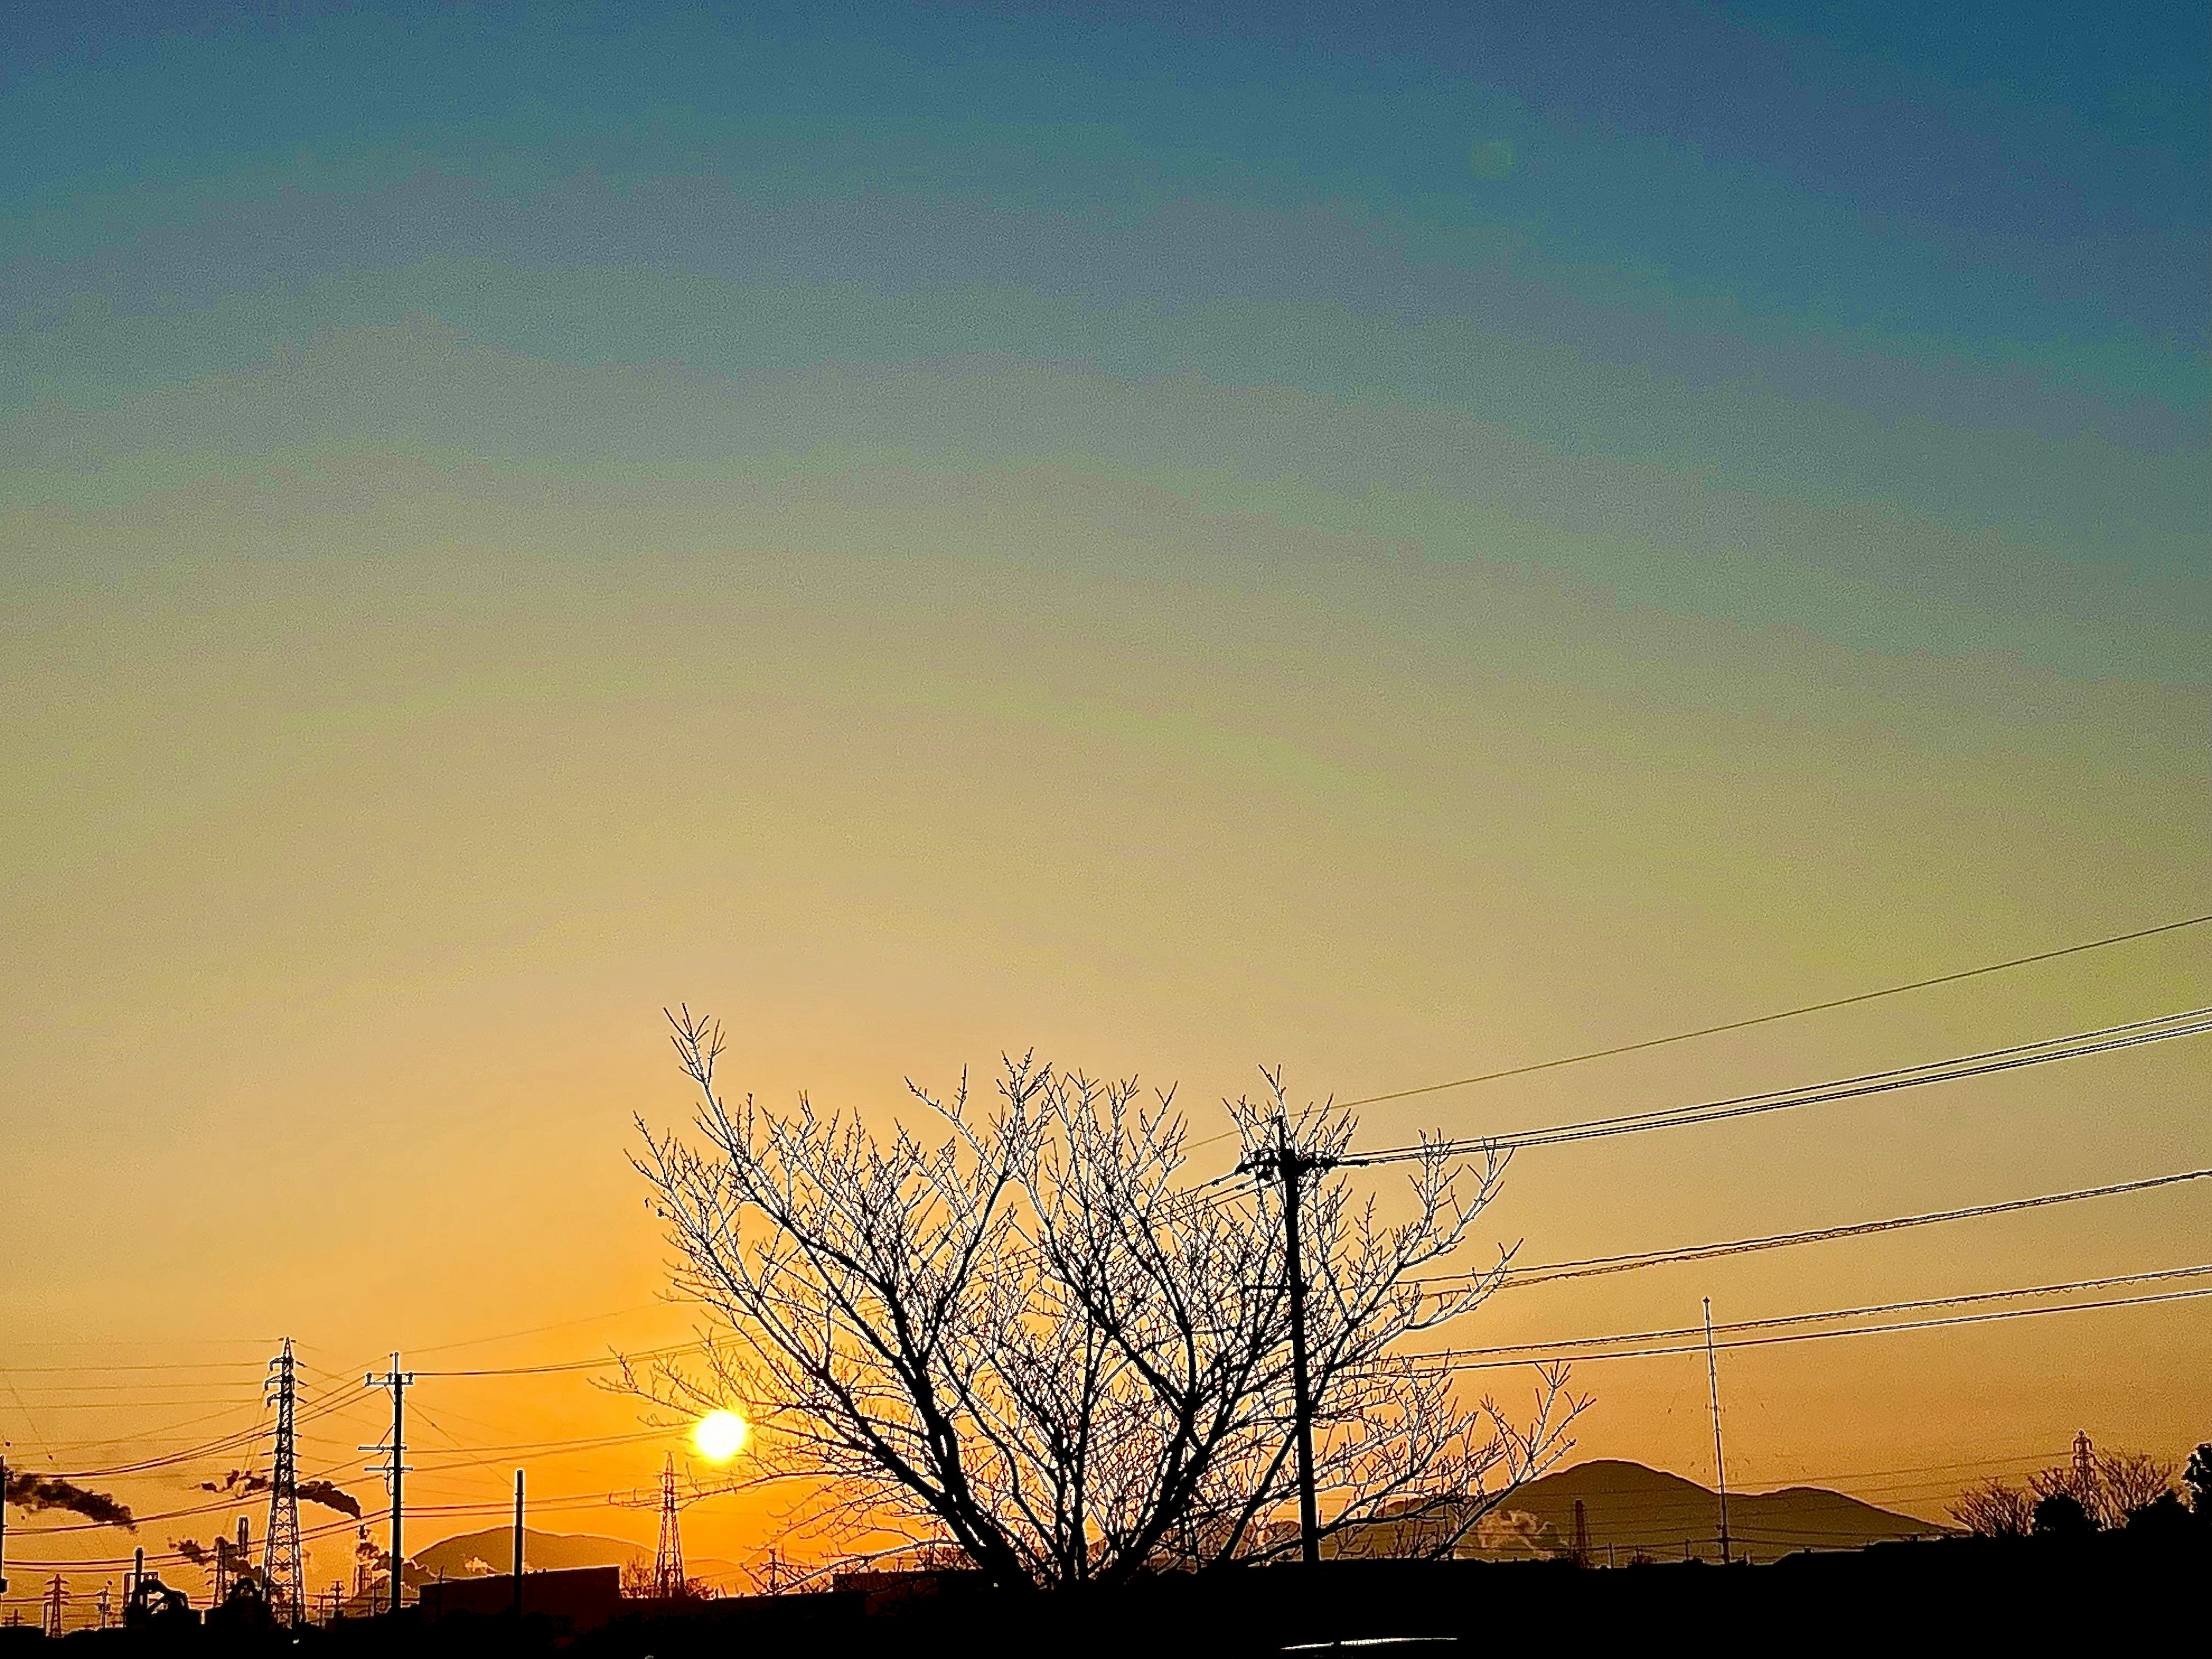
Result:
pixel 1397 546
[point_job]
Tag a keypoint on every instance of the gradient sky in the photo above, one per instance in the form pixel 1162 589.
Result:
pixel 1392 545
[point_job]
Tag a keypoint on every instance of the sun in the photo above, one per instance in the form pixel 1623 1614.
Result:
pixel 719 1436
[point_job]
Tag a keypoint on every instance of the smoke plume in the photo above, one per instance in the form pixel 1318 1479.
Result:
pixel 240 1481
pixel 225 1554
pixel 50 1492
pixel 1503 1532
pixel 331 1497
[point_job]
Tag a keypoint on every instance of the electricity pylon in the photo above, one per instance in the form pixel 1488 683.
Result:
pixel 284 1575
pixel 669 1583
pixel 668 1559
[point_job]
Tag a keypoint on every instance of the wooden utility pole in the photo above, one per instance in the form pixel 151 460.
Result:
pixel 397 1380
pixel 1291 1166
pixel 518 1543
pixel 1293 1169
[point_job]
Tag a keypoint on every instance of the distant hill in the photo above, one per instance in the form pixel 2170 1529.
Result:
pixel 1626 1507
pixel 474 1554
pixel 1631 1508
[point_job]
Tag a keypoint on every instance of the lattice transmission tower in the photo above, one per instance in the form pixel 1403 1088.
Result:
pixel 283 1573
pixel 673 1496
pixel 668 1559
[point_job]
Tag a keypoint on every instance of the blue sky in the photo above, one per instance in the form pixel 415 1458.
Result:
pixel 1951 261
pixel 2016 182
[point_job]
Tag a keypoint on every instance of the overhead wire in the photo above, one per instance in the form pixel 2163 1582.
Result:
pixel 1831 1314
pixel 1451 1361
pixel 2133 1033
pixel 1787 1013
pixel 1594 1267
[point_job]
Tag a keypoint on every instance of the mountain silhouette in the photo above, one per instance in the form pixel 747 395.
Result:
pixel 1632 1510
pixel 474 1554
pixel 1628 1510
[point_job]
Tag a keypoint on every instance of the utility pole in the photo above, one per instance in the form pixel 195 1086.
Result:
pixel 397 1380
pixel 283 1574
pixel 3 1526
pixel 518 1543
pixel 1720 1469
pixel 1292 1168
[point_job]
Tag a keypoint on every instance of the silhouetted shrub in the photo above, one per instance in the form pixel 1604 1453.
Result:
pixel 2198 1477
pixel 2164 1516
pixel 1994 1509
pixel 2060 1515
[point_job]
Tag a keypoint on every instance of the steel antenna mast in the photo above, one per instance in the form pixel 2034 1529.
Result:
pixel 1720 1469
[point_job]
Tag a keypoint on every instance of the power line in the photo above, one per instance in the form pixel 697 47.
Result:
pixel 1787 1013
pixel 1450 1359
pixel 1594 1267
pixel 246 1365
pixel 1822 1314
pixel 236 1441
pixel 479 1456
pixel 154 1557
pixel 2134 1033
pixel 552 1367
pixel 534 1330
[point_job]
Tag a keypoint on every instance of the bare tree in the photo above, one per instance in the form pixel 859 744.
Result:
pixel 2110 1487
pixel 2129 1481
pixel 1031 1340
pixel 1993 1509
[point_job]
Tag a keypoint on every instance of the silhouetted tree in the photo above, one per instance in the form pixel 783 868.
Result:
pixel 1994 1509
pixel 2128 1483
pixel 1031 1339
pixel 2061 1515
pixel 2113 1486
pixel 2198 1477
pixel 641 1582
pixel 2164 1516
